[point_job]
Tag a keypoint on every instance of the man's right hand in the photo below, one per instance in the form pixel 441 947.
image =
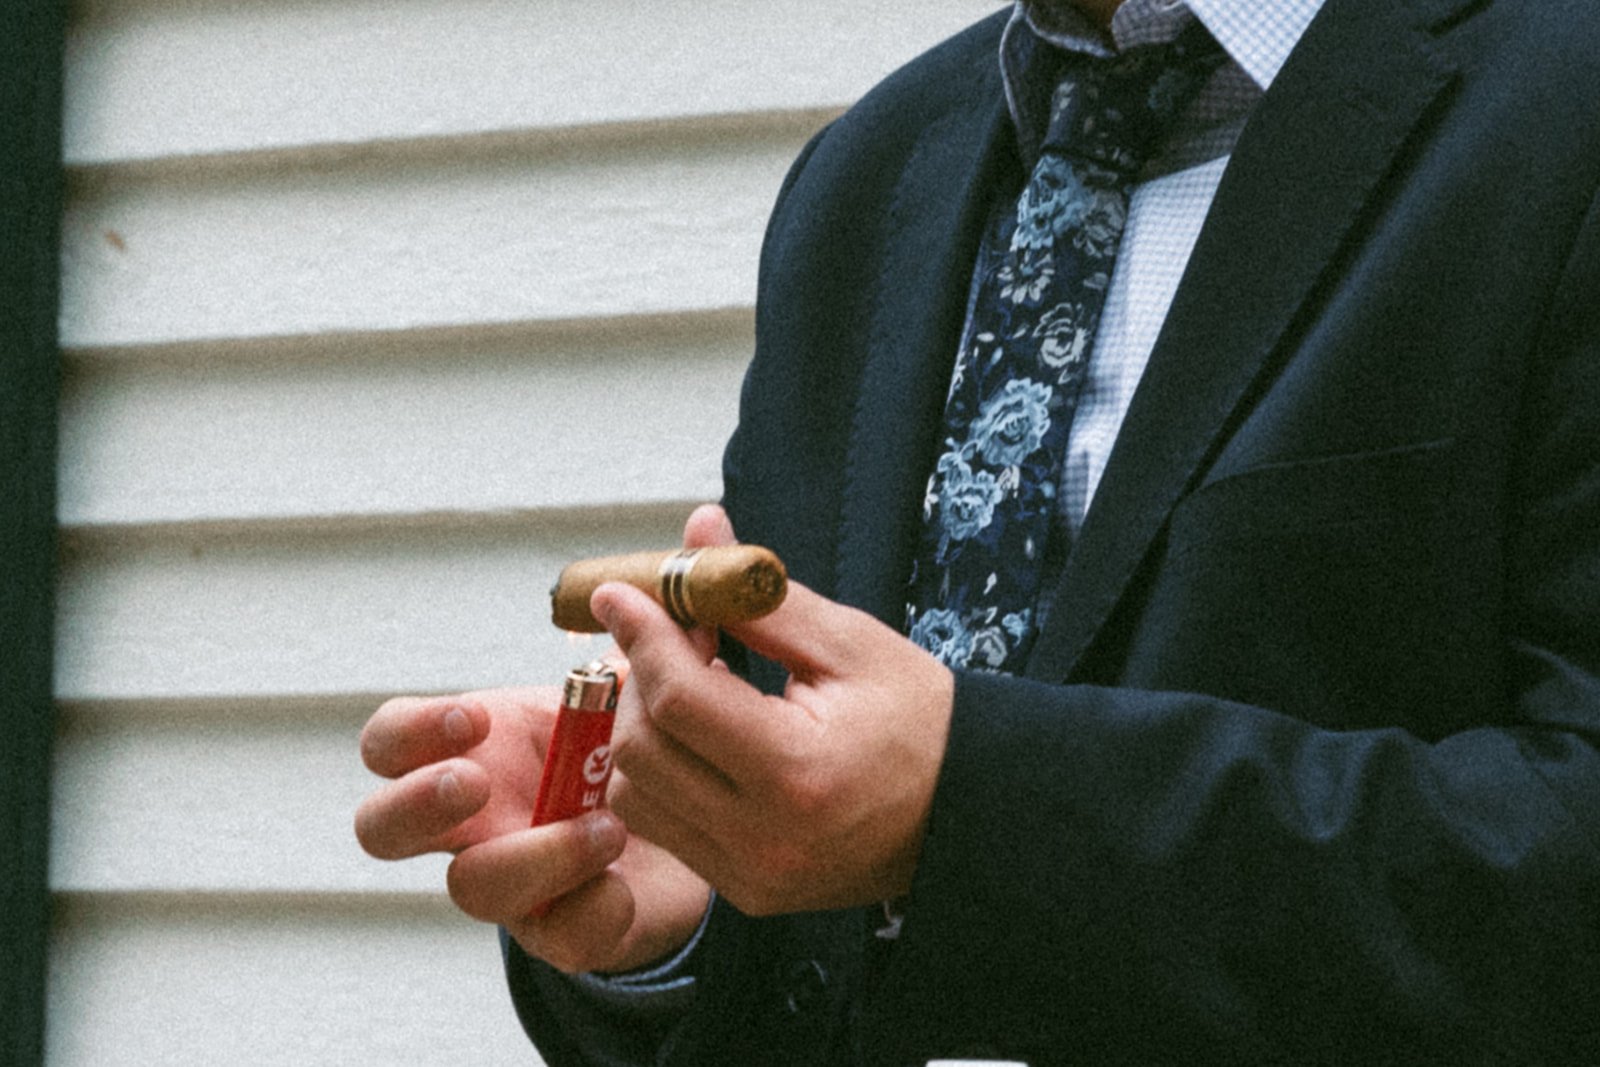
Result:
pixel 463 771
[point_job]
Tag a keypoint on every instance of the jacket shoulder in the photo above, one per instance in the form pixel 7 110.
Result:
pixel 949 75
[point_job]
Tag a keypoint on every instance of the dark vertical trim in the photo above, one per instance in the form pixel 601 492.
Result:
pixel 31 35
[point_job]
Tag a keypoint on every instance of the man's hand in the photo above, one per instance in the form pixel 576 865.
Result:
pixel 464 772
pixel 817 799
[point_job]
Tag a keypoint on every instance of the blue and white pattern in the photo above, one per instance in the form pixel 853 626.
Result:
pixel 1039 287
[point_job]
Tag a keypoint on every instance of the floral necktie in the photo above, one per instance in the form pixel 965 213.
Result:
pixel 1038 289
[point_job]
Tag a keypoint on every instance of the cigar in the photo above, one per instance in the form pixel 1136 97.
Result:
pixel 700 586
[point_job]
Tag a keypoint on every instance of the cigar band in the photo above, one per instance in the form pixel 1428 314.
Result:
pixel 675 585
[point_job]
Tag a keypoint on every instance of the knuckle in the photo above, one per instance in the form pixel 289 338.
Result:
pixel 805 791
pixel 666 706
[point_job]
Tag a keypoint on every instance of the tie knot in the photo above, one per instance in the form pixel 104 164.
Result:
pixel 1112 112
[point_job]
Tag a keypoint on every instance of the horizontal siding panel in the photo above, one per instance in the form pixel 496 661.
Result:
pixel 151 78
pixel 377 312
pixel 275 982
pixel 659 222
pixel 517 419
pixel 252 796
pixel 171 614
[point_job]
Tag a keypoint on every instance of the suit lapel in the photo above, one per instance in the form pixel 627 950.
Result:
pixel 1312 157
pixel 930 241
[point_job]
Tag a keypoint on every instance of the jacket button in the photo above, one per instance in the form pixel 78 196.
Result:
pixel 804 984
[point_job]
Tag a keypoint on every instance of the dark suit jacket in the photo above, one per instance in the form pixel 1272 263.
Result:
pixel 1304 767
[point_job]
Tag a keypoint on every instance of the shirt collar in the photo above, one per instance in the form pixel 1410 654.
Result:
pixel 1257 35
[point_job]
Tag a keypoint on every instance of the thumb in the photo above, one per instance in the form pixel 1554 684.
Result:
pixel 708 527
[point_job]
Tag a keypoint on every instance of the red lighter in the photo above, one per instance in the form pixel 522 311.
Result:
pixel 578 763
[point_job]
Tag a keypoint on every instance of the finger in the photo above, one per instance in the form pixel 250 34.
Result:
pixel 583 929
pixel 504 878
pixel 642 616
pixel 811 635
pixel 713 713
pixel 680 782
pixel 414 814
pixel 708 527
pixel 411 732
pixel 653 818
pixel 667 768
pixel 642 749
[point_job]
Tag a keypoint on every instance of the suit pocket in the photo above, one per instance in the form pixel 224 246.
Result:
pixel 1322 497
pixel 1344 589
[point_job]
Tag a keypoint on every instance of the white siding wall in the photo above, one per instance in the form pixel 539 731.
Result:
pixel 343 282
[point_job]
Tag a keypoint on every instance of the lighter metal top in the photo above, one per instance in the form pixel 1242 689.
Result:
pixel 592 687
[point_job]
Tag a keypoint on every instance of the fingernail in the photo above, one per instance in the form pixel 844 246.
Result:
pixel 457 727
pixel 449 789
pixel 603 828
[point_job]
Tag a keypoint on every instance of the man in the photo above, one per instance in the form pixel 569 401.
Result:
pixel 1300 764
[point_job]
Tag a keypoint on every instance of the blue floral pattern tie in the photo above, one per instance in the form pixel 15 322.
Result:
pixel 1038 289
